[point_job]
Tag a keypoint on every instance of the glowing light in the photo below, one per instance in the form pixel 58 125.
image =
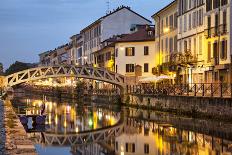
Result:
pixel 68 108
pixel 90 122
pixel 56 119
pixel 166 30
pixel 65 123
pixel 77 130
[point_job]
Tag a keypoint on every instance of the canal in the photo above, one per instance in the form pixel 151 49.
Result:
pixel 87 128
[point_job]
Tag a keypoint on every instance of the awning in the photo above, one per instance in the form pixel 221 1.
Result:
pixel 155 79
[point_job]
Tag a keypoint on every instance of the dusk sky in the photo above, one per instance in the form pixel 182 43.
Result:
pixel 29 27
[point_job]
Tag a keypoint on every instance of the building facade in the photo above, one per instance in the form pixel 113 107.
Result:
pixel 166 37
pixel 117 22
pixel 135 54
pixel 191 40
pixel 218 40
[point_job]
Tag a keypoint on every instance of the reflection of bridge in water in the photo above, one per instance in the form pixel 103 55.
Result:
pixel 80 138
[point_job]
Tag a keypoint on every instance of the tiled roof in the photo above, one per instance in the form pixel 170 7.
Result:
pixel 140 35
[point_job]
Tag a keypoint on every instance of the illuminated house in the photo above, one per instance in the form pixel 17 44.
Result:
pixel 166 37
pixel 218 40
pixel 191 40
pixel 135 53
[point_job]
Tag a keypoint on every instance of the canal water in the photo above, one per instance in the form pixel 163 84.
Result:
pixel 81 128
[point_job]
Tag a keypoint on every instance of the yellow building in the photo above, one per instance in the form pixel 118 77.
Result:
pixel 218 41
pixel 166 37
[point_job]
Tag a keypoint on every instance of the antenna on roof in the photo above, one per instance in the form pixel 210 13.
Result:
pixel 108 6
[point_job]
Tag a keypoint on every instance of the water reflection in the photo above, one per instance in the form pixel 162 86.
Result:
pixel 144 132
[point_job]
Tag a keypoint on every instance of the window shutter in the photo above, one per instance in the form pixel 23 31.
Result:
pixel 133 51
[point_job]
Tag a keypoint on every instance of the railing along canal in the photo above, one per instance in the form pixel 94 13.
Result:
pixel 222 90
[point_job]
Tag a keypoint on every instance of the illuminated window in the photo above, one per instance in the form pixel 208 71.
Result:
pixel 130 51
pixel 130 147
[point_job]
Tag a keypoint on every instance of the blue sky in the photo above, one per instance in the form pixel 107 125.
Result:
pixel 29 27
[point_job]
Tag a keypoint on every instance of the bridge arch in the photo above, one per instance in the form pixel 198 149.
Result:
pixel 86 72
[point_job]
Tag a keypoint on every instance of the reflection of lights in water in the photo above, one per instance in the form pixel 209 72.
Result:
pixel 122 153
pixel 68 109
pixel 90 122
pixel 65 123
pixel 100 115
pixel 56 119
pixel 49 118
pixel 50 107
pixel 77 130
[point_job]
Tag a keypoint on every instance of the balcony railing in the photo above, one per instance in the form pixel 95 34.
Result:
pixel 216 31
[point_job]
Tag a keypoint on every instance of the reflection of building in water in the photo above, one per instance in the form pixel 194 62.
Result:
pixel 102 148
pixel 151 138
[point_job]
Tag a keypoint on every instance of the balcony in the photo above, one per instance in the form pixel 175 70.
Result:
pixel 216 31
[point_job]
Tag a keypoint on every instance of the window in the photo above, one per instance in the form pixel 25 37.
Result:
pixel 224 2
pixel 146 148
pixel 130 147
pixel 166 45
pixel 171 21
pixel 223 54
pixel 224 22
pixel 216 4
pixel 190 21
pixel 162 45
pixel 146 50
pixel 175 20
pixel 208 5
pixel 116 146
pixel 130 68
pixel 130 51
pixel 146 67
pixel 171 45
pixel 216 23
pixel 166 22
pixel 116 52
pixel 190 44
pixel 194 19
pixel 200 17
pixel 209 51
pixel 108 56
pixel 185 23
pixel 175 44
pixel 185 46
pixel 195 47
pixel 215 49
pixel 200 45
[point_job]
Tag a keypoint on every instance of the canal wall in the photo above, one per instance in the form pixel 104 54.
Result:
pixel 214 128
pixel 16 140
pixel 216 108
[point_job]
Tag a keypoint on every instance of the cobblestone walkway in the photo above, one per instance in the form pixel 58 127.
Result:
pixel 16 141
pixel 2 130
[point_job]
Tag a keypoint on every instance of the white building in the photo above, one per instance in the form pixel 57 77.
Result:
pixel 135 54
pixel 191 38
pixel 118 22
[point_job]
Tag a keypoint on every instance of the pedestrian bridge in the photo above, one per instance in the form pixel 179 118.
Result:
pixel 86 72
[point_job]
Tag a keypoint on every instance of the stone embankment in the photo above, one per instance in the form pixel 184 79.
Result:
pixel 215 108
pixel 16 140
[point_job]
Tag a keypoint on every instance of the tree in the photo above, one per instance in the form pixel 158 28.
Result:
pixel 19 66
